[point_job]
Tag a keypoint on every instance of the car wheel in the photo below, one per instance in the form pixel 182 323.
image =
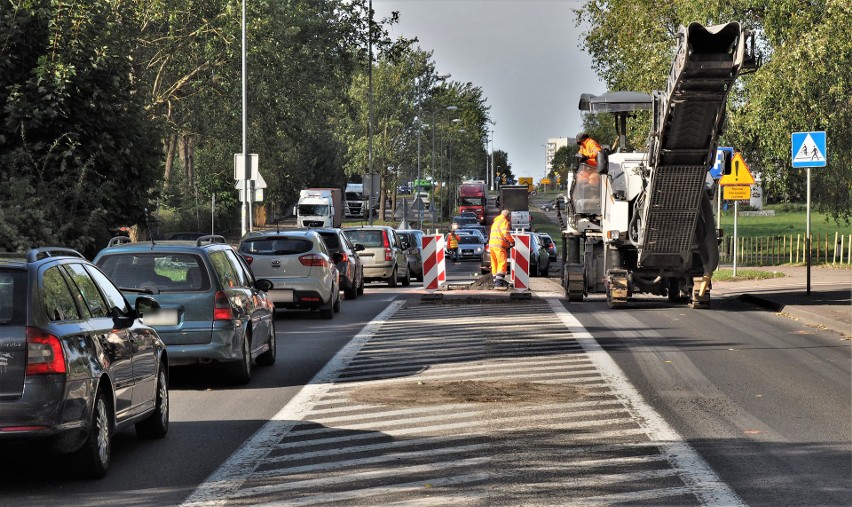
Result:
pixel 327 311
pixel 392 279
pixel 351 292
pixel 157 424
pixel 336 306
pixel 96 453
pixel 407 280
pixel 240 370
pixel 361 286
pixel 268 357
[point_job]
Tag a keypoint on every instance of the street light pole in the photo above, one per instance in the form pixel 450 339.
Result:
pixel 246 161
pixel 370 114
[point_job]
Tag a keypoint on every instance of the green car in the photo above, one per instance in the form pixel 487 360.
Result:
pixel 212 308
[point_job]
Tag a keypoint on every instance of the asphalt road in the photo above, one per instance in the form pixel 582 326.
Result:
pixel 765 400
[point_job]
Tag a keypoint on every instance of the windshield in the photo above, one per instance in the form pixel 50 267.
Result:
pixel 313 209
pixel 469 239
pixel 471 201
pixel 355 196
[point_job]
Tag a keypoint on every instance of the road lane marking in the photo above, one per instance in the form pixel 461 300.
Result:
pixel 228 478
pixel 694 471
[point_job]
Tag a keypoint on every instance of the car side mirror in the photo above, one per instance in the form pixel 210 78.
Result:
pixel 264 285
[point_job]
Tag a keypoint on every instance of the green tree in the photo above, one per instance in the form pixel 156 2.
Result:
pixel 77 154
pixel 804 84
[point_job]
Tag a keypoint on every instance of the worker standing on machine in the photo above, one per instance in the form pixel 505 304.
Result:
pixel 499 243
pixel 589 149
pixel 588 178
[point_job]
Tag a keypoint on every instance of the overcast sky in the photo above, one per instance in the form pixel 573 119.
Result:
pixel 523 54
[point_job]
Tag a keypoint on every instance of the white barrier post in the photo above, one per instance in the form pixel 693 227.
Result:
pixel 521 261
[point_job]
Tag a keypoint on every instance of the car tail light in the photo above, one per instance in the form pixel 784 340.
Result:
pixel 313 260
pixel 44 353
pixel 248 259
pixel 386 244
pixel 344 257
pixel 222 307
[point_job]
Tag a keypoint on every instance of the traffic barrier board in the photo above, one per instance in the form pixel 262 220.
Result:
pixel 521 261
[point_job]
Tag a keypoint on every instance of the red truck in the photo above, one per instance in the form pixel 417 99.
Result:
pixel 472 198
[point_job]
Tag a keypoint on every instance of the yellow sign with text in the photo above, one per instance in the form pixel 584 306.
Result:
pixel 736 193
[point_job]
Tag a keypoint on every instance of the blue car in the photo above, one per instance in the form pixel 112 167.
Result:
pixel 212 308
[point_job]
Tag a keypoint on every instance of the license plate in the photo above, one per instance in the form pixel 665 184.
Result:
pixel 162 317
pixel 281 295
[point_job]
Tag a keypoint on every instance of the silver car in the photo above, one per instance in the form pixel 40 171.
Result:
pixel 414 252
pixel 383 255
pixel 302 271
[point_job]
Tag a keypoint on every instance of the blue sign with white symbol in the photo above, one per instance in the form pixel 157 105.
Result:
pixel 809 149
pixel 716 170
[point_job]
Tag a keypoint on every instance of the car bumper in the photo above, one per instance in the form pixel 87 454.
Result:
pixel 51 410
pixel 220 341
pixel 378 272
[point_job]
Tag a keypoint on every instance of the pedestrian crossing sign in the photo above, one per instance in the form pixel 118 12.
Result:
pixel 809 149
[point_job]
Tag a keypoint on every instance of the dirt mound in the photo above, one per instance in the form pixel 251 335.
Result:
pixel 467 391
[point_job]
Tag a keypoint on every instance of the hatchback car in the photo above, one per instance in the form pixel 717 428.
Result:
pixel 213 309
pixel 348 263
pixel 471 247
pixel 414 252
pixel 539 257
pixel 383 256
pixel 550 245
pixel 302 270
pixel 76 363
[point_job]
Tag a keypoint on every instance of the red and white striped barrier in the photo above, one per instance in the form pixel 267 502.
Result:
pixel 434 268
pixel 521 261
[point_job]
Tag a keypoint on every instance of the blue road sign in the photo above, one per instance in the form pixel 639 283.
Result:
pixel 716 170
pixel 808 149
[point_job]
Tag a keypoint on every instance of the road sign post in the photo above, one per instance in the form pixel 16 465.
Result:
pixel 736 185
pixel 808 150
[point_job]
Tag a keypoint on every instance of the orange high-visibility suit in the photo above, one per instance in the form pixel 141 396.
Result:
pixel 498 242
pixel 589 148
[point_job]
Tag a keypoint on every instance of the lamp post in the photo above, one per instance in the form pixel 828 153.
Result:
pixel 370 114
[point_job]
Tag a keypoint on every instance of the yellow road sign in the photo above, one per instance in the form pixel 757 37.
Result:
pixel 739 175
pixel 736 193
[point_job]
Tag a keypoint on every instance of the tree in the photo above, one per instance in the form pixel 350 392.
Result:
pixel 77 154
pixel 632 44
pixel 503 167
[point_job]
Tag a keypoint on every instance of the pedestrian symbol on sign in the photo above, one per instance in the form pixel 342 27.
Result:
pixel 809 149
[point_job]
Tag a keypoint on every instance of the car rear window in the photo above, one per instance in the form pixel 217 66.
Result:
pixel 13 297
pixel 277 246
pixel 169 272
pixel 331 240
pixel 366 238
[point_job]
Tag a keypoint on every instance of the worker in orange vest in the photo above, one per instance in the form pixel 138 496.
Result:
pixel 589 149
pixel 499 243
pixel 453 245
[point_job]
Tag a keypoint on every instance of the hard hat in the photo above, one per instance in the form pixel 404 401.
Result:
pixel 581 136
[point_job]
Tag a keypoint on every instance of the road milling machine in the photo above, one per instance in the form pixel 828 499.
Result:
pixel 642 222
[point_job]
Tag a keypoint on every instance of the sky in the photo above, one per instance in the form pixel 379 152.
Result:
pixel 523 54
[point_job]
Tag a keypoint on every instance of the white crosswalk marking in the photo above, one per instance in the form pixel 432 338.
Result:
pixel 525 410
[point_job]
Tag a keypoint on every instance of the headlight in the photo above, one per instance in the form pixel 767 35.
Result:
pixel 479 249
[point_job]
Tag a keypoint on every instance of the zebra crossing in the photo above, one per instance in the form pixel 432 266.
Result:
pixel 502 404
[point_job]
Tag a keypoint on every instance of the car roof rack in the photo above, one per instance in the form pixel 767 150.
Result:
pixel 36 254
pixel 119 240
pixel 210 238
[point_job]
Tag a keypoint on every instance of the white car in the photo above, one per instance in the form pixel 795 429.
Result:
pixel 302 271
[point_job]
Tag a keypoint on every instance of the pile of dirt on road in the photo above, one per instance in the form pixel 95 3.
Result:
pixel 466 391
pixel 484 282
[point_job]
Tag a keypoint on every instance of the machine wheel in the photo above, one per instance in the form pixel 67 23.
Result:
pixel 392 279
pixel 240 370
pixel 157 424
pixel 268 357
pixel 675 296
pixel 96 453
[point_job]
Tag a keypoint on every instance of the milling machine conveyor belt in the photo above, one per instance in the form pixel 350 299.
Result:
pixel 687 120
